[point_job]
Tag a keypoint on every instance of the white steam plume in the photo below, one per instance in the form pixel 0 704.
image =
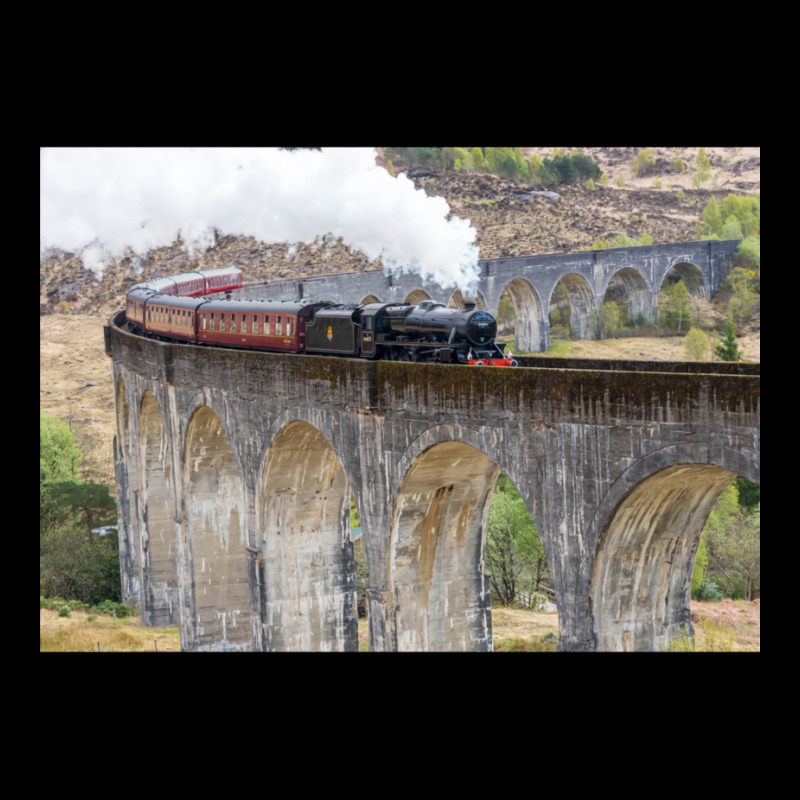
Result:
pixel 106 202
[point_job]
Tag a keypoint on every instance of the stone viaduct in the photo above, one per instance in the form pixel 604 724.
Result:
pixel 235 472
pixel 633 275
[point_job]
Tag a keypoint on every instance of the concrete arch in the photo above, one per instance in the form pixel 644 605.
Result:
pixel 457 300
pixel 629 288
pixel 370 298
pixel 640 587
pixel 436 570
pixel 158 545
pixel 581 305
pixel 691 275
pixel 215 529
pixel 529 316
pixel 415 297
pixel 309 567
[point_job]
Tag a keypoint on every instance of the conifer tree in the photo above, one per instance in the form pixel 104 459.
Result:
pixel 728 350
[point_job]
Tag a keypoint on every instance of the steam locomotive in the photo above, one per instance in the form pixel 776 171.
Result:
pixel 188 308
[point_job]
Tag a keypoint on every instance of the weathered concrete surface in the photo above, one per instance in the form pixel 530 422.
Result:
pixel 257 455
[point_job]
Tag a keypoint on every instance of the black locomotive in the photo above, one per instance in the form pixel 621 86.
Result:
pixel 427 332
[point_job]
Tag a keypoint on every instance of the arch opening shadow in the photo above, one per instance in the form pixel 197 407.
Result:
pixel 157 547
pixel 629 291
pixel 571 309
pixel 437 569
pixel 641 583
pixel 416 297
pixel 524 317
pixel 216 530
pixel 459 300
pixel 309 566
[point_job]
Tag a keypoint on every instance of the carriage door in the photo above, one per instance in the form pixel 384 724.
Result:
pixel 368 336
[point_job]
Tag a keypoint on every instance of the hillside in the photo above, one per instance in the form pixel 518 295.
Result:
pixel 511 218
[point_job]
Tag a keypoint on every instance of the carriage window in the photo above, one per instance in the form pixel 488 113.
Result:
pixel 278 321
pixel 233 322
pixel 266 323
pixel 255 323
pixel 222 322
pixel 243 329
pixel 205 321
pixel 211 327
pixel 290 326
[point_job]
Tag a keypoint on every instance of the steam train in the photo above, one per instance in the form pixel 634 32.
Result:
pixel 188 308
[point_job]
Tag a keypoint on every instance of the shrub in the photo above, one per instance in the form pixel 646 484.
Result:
pixel 697 345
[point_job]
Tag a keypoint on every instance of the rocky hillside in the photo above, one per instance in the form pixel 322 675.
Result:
pixel 512 219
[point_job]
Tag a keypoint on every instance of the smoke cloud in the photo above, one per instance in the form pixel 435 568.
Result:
pixel 105 202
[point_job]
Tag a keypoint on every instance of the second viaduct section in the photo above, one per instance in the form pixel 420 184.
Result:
pixel 633 275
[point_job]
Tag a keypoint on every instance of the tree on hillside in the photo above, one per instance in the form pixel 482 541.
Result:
pixel 732 538
pixel 74 562
pixel 514 554
pixel 703 164
pixel 58 456
pixel 644 162
pixel 712 217
pixel 673 301
pixel 697 345
pixel 728 350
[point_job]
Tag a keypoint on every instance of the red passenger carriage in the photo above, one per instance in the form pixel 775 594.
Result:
pixel 263 324
pixel 171 317
pixel 222 280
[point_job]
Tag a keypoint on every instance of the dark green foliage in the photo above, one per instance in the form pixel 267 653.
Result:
pixel 728 350
pixel 506 161
pixel 572 168
pixel 749 493
pixel 74 562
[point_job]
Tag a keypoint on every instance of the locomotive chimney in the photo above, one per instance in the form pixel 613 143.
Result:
pixel 469 303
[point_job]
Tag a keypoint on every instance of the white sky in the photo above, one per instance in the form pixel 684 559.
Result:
pixel 104 202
